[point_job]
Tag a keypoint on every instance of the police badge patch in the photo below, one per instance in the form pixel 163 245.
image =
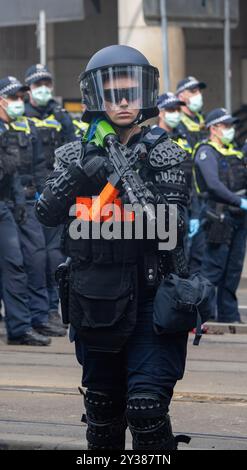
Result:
pixel 203 155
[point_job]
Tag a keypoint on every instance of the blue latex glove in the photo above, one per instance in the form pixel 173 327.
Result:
pixel 194 227
pixel 243 204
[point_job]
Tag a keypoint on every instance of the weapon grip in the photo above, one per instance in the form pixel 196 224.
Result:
pixel 107 195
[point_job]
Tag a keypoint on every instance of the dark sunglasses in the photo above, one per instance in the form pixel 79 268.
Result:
pixel 116 95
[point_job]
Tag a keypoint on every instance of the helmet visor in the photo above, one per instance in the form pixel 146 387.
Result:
pixel 112 87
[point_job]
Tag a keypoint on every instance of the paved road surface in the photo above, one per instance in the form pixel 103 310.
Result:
pixel 40 406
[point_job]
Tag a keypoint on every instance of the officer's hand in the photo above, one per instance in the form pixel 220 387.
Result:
pixel 97 168
pixel 194 227
pixel 20 214
pixel 243 204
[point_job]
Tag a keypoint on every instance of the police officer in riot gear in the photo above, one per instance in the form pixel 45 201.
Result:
pixel 55 126
pixel 221 180
pixel 15 292
pixel 170 116
pixel 128 370
pixel 20 142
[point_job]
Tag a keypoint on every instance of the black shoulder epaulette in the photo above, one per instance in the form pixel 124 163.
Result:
pixel 153 136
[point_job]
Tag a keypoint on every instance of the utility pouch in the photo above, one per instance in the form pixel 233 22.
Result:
pixel 62 276
pixel 218 229
pixel 182 304
pixel 102 305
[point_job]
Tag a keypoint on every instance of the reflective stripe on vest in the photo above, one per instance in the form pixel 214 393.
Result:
pixel 49 122
pixel 191 125
pixel 225 151
pixel 183 143
pixel 20 125
pixel 80 126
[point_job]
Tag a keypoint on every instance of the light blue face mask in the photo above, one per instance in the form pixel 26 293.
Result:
pixel 15 109
pixel 172 119
pixel 195 103
pixel 41 95
pixel 227 135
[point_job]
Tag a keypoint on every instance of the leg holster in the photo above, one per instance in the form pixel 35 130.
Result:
pixel 106 423
pixel 149 423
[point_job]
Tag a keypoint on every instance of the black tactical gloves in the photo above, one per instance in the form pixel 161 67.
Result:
pixel 96 168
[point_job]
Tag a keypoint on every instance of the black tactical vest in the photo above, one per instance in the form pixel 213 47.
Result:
pixel 187 165
pixel 17 143
pixel 194 131
pixel 232 168
pixel 51 136
pixel 160 166
pixel 7 170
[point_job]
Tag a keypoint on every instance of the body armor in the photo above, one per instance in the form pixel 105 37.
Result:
pixel 231 166
pixel 7 170
pixel 17 142
pixel 187 164
pixel 161 153
pixel 51 136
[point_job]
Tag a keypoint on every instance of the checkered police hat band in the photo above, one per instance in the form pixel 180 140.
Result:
pixel 10 87
pixel 38 75
pixel 218 120
pixel 187 85
pixel 171 100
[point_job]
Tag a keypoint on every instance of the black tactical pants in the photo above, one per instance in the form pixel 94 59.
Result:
pixel 34 256
pixel 222 264
pixel 148 366
pixel 14 279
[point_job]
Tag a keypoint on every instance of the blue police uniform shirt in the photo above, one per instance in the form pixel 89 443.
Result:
pixel 206 159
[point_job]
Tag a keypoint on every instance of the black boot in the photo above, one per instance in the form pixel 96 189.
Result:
pixel 30 338
pixel 56 319
pixel 48 329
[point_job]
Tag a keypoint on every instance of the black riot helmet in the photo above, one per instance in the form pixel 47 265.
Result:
pixel 118 72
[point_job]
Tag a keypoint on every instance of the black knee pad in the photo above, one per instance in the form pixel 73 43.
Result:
pixel 149 423
pixel 105 416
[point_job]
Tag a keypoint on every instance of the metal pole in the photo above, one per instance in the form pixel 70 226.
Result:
pixel 164 30
pixel 42 36
pixel 227 57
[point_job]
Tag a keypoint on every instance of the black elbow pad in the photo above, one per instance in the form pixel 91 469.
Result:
pixel 49 210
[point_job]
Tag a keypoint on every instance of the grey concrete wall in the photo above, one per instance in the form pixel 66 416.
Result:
pixel 17 50
pixel 75 42
pixel 69 46
pixel 205 60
